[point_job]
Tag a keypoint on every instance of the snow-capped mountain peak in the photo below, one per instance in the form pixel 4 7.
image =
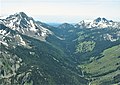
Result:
pixel 98 19
pixel 19 20
pixel 22 14
pixel 97 23
pixel 18 15
pixel 26 25
pixel 101 20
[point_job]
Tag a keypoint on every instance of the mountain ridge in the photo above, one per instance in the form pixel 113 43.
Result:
pixel 98 23
pixel 33 52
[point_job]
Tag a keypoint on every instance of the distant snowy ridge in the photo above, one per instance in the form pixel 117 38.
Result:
pixel 98 23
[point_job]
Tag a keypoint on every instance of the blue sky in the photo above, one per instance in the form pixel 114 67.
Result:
pixel 63 10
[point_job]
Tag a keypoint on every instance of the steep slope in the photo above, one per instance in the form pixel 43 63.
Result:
pixel 9 61
pixel 35 62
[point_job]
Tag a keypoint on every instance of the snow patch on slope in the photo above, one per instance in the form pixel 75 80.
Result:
pixel 4 43
pixel 33 28
pixel 19 39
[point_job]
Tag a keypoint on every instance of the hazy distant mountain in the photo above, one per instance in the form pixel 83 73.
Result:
pixel 54 24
